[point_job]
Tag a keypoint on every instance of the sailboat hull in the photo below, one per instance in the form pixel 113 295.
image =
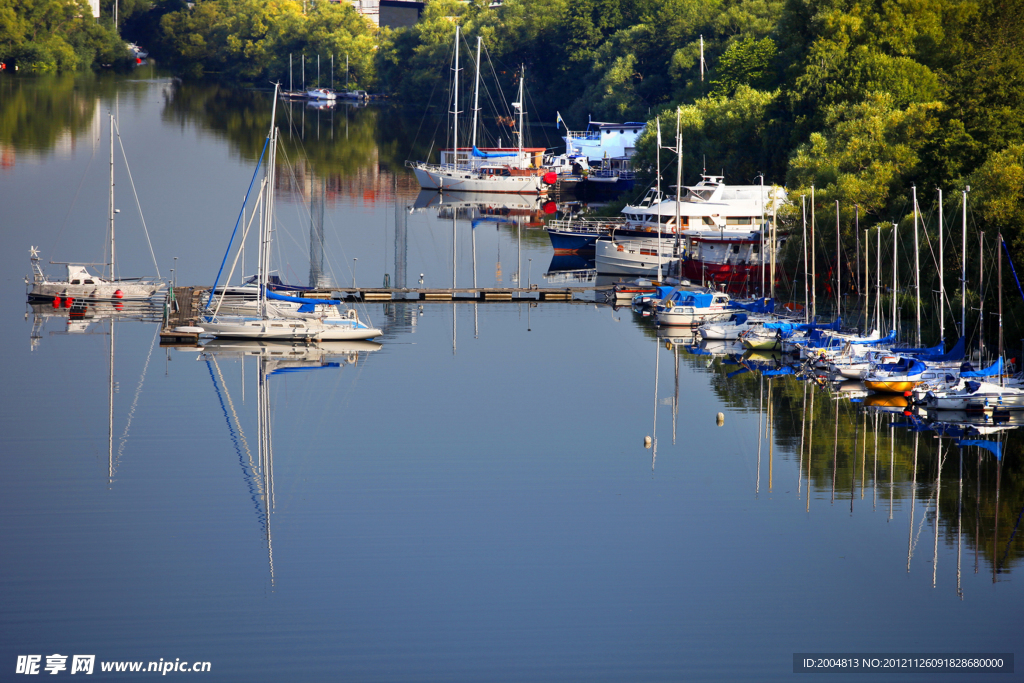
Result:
pixel 287 330
pixel 891 386
pixel 101 290
pixel 445 179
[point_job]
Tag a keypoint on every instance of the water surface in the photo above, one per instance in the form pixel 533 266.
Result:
pixel 471 501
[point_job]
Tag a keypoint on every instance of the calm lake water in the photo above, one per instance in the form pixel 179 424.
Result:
pixel 471 499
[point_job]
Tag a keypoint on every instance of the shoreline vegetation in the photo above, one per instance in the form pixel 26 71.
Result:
pixel 861 99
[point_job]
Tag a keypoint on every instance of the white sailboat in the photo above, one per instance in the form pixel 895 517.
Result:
pixel 516 171
pixel 80 283
pixel 274 316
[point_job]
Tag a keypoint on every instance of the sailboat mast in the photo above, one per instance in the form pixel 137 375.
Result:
pixel 113 275
pixel 476 92
pixel 658 183
pixel 657 180
pixel 268 211
pixel 895 270
pixel 963 270
pixel 803 218
pixel 839 267
pixel 455 103
pixel 999 274
pixel 814 276
pixel 981 295
pixel 679 179
pixel 917 268
pixel 867 282
pixel 522 78
pixel 878 279
pixel 761 201
pixel 773 248
pixel 942 279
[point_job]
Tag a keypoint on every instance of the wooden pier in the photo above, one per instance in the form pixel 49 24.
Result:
pixel 459 294
pixel 188 301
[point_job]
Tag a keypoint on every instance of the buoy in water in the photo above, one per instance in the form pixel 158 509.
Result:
pixel 56 302
pixel 118 294
pixel 647 442
pixel 720 419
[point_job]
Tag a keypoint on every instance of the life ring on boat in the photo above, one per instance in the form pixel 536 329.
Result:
pixel 351 314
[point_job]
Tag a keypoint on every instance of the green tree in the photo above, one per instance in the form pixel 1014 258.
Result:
pixel 745 62
pixel 866 154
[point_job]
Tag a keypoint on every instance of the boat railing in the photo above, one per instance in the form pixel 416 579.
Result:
pixel 613 173
pixel 426 166
pixel 583 135
pixel 584 226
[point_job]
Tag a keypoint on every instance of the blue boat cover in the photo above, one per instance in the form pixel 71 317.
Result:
pixel 955 353
pixel 492 155
pixel 764 305
pixel 695 299
pixel 784 370
pixel 993 447
pixel 937 349
pixel 904 366
pixel 994 369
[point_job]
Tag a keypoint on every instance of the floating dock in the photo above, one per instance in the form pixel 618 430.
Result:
pixel 188 301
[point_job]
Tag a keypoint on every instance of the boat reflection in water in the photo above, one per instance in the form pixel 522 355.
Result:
pixel 79 316
pixel 273 358
pixel 867 451
pixel 570 269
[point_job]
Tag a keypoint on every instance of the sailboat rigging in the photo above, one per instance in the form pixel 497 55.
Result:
pixel 271 315
pixel 517 171
pixel 80 283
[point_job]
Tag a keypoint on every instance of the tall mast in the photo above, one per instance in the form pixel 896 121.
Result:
pixel 839 267
pixel 113 273
pixel 814 293
pixel 773 249
pixel 856 232
pixel 476 92
pixel 878 279
pixel 942 280
pixel 455 103
pixel 917 269
pixel 679 179
pixel 963 270
pixel 803 218
pixel 761 200
pixel 657 181
pixel 895 271
pixel 522 78
pixel 981 295
pixel 867 283
pixel 999 274
pixel 268 210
